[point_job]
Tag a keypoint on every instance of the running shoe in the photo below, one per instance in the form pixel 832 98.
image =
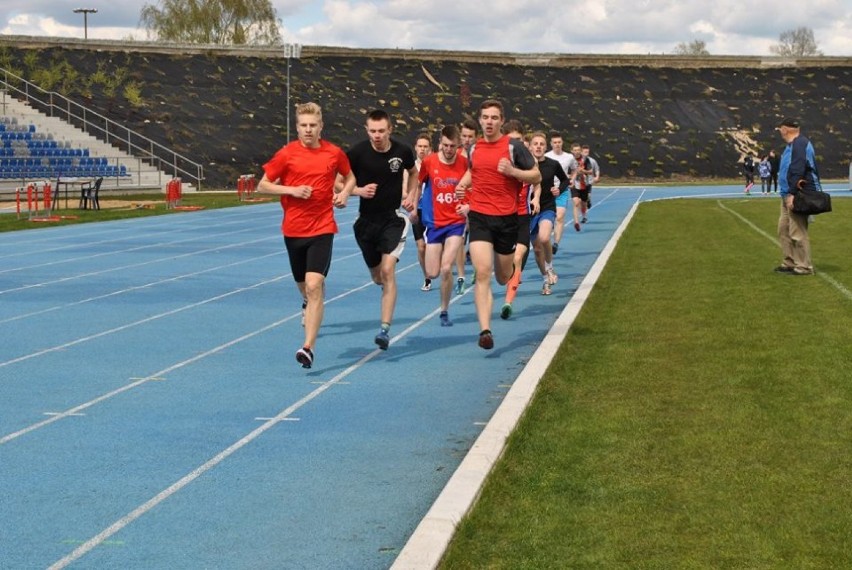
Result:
pixel 552 277
pixel 304 306
pixel 427 285
pixel 555 246
pixel 445 319
pixel 459 285
pixel 305 357
pixel 383 339
pixel 783 269
pixel 576 226
pixel 546 288
pixel 506 311
pixel 486 341
pixel 584 220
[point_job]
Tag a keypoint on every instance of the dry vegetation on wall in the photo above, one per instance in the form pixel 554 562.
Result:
pixel 228 111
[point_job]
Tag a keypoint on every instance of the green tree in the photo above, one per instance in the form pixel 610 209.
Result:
pixel 221 22
pixel 695 47
pixel 796 43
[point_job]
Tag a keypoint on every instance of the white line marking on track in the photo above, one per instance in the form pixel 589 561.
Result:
pixel 139 322
pixel 119 268
pixel 270 419
pixel 78 238
pixel 164 244
pixel 145 285
pixel 161 373
pixel 141 510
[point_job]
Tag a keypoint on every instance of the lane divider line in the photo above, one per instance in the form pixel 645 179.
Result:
pixel 156 376
pixel 283 415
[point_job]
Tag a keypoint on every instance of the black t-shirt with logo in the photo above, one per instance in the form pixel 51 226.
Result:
pixel 385 169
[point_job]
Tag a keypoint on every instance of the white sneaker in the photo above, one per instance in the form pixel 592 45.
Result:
pixel 552 277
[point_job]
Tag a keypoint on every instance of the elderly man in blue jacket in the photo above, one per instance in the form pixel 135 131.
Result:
pixel 797 170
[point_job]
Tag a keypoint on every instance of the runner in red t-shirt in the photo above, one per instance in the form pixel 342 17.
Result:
pixel 303 174
pixel 498 166
pixel 443 214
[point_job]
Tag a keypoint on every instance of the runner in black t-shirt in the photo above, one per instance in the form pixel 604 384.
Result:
pixel 380 230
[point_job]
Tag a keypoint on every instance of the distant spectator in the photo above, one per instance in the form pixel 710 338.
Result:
pixel 748 172
pixel 764 169
pixel 774 163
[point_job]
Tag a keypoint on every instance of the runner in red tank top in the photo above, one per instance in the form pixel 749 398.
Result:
pixel 497 167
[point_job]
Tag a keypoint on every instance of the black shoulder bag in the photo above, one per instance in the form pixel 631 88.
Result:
pixel 809 201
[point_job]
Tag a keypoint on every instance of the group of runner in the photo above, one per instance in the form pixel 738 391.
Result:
pixel 502 193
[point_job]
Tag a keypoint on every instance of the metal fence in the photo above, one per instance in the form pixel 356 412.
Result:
pixel 139 146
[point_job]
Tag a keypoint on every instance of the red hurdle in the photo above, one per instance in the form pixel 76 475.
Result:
pixel 39 199
pixel 174 193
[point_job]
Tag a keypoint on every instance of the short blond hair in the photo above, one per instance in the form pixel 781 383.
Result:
pixel 309 109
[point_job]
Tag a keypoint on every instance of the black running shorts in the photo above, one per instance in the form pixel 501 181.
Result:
pixel 500 231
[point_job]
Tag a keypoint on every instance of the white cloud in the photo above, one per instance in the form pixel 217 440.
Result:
pixel 728 27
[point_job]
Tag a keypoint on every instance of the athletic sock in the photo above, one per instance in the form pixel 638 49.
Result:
pixel 512 285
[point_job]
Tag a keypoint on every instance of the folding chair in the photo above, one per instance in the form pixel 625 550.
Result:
pixel 89 194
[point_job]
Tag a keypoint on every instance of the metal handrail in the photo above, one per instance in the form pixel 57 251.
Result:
pixel 93 123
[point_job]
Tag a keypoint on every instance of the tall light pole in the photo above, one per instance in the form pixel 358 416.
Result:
pixel 291 51
pixel 85 12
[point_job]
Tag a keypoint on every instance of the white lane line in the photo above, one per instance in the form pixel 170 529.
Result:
pixel 160 374
pixel 430 539
pixel 167 258
pixel 130 325
pixel 146 320
pixel 825 276
pixel 149 284
pixel 284 415
pixel 24 247
pixel 104 254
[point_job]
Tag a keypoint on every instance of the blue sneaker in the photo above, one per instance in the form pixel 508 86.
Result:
pixel 383 339
pixel 445 320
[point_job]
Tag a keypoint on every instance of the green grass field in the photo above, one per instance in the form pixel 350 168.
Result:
pixel 698 414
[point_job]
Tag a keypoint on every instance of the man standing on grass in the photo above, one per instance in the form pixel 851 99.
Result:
pixel 498 167
pixel 303 174
pixel 379 164
pixel 798 171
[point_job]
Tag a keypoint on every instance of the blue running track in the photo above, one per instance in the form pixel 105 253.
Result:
pixel 153 415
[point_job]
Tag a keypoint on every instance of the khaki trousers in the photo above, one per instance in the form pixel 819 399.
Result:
pixel 794 240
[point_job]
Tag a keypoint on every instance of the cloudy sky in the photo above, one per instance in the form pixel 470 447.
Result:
pixel 728 27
